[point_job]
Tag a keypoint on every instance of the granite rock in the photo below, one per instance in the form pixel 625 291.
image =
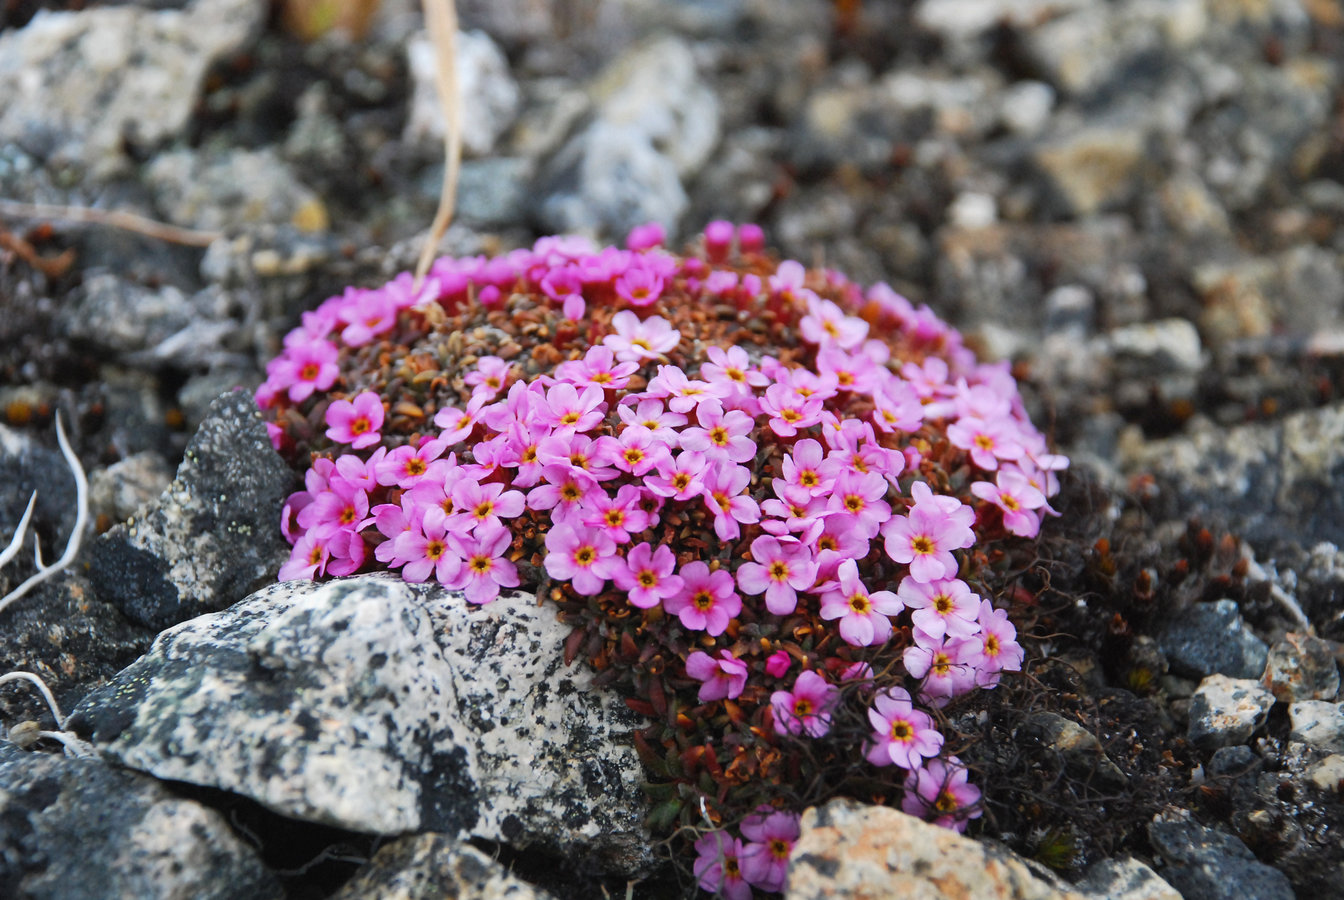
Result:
pixel 1226 711
pixel 433 866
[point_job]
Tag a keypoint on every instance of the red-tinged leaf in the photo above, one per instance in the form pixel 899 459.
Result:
pixel 657 699
pixel 642 707
pixel 572 645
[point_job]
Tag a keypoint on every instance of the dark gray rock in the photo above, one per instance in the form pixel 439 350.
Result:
pixel 213 536
pixel 434 866
pixel 1211 638
pixel 81 828
pixel 1204 864
pixel 382 707
pixel 1080 749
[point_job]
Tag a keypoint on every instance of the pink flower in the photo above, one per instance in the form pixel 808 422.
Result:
pixel 750 238
pixel 925 539
pixel 707 600
pixel 356 423
pixel 568 410
pixel 679 477
pixel 483 505
pixel 635 451
pixel 566 288
pixel 896 406
pixel 717 868
pixel 902 734
pixel 944 606
pixel 724 678
pixel 457 425
pixel 424 550
pixel 765 861
pixel 808 468
pixel 779 570
pixel 855 372
pixel 683 394
pixel 304 368
pixel 649 414
pixel 826 324
pixel 635 341
pixel 585 457
pixel 857 498
pixel 807 708
pixel 639 287
pixel 999 647
pixel 862 615
pixel 721 435
pixel 1017 497
pixel 484 569
pixel 647 576
pixel 946 665
pixel 794 514
pixel 563 492
pixel 369 314
pixel 406 465
pixel 646 236
pixel 584 557
pixel 987 441
pixel 616 517
pixel 307 558
pixel 939 792
pixel 777 663
pixel 790 411
pixel 490 376
pixel 598 368
pixel 718 240
pixel 723 489
pixel 341 507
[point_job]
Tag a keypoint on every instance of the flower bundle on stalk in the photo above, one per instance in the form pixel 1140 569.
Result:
pixel 763 498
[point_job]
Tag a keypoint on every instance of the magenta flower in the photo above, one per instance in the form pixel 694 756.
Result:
pixel 717 867
pixel 723 489
pixel 483 505
pixel 765 861
pixel 926 537
pixel 565 287
pixel 646 575
pixel 721 435
pixel 583 556
pixel 863 616
pixel 649 413
pixel 407 465
pixel 616 517
pixel 902 734
pixel 568 410
pixel 718 240
pixel 944 606
pixel 635 451
pixel 987 441
pixel 679 477
pixel 707 600
pixel 356 423
pixel 779 570
pixel 490 376
pixel 597 368
pixel 939 792
pixel 947 666
pixel 777 663
pixel 646 236
pixel 304 368
pixel 423 551
pixel 484 569
pixel 1017 497
pixel 585 457
pixel 807 708
pixel 639 287
pixel 368 314
pixel 724 678
pixel 308 557
pixel 790 411
pixel 563 492
pixel 341 507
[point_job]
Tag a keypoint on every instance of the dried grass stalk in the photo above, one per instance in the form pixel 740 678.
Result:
pixel 441 21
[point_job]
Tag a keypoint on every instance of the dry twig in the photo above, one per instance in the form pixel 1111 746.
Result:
pixel 112 218
pixel 441 20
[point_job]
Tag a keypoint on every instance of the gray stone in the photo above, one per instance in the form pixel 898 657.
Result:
pixel 1125 878
pixel 213 536
pixel 434 866
pixel 1080 749
pixel 851 850
pixel 489 96
pixel 233 189
pixel 118 491
pixel 1164 346
pixel 1328 774
pixel 1208 638
pixel 1204 864
pixel 78 85
pixel 492 192
pixel 1093 166
pixel 1318 723
pixel 80 828
pixel 1301 667
pixel 609 179
pixel 382 707
pixel 1026 107
pixel 1226 711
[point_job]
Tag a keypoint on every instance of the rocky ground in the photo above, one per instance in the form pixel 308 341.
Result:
pixel 1140 203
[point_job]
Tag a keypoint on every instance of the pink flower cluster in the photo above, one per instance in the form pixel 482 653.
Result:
pixel 619 438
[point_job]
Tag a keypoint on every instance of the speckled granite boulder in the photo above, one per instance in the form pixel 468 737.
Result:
pixel 432 867
pixel 80 828
pixel 383 707
pixel 212 538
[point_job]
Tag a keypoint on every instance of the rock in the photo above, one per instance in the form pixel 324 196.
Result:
pixel 432 866
pixel 80 85
pixel 1209 638
pixel 118 491
pixel 382 707
pixel 851 850
pixel 1081 750
pixel 232 189
pixel 609 179
pixel 1328 774
pixel 1164 346
pixel 213 536
pixel 1094 166
pixel 489 95
pixel 80 828
pixel 1125 878
pixel 1026 107
pixel 1226 711
pixel 490 192
pixel 1273 484
pixel 1205 864
pixel 1318 723
pixel 1301 667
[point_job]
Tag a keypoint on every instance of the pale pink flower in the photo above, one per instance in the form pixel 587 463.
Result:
pixel 598 368
pixel 639 287
pixel 650 414
pixel 944 606
pixel 723 678
pixel 707 600
pixel 947 666
pixel 925 538
pixel 567 410
pixel 635 451
pixel 457 424
pixel 717 869
pixel 563 492
pixel 987 441
pixel 616 517
pixel 1000 651
pixel 724 489
pixel 646 575
pixel 584 557
pixel 790 411
pixel 857 499
pixel 490 377
pixel 635 340
pixel 903 735
pixel 779 569
pixel 683 394
pixel 807 468
pixel 483 505
pixel 863 614
pixel 679 477
pixel 484 569
pixel 807 708
pixel 721 435
pixel 1017 498
pixel 826 324
pixel 939 792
